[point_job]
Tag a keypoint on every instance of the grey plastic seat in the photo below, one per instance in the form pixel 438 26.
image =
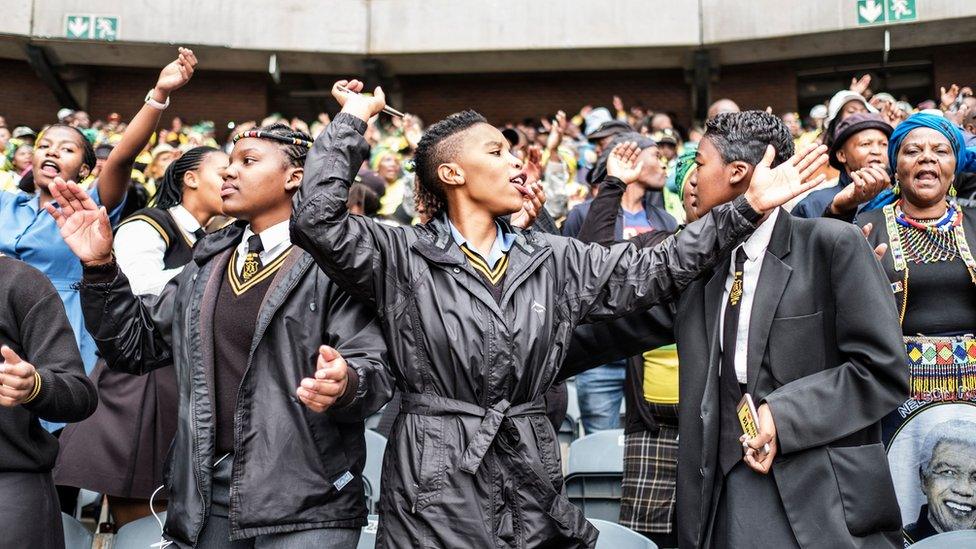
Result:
pixel 76 536
pixel 372 471
pixel 139 534
pixel 86 498
pixel 615 536
pixel 948 540
pixel 595 474
pixel 373 421
pixel 569 430
pixel 367 540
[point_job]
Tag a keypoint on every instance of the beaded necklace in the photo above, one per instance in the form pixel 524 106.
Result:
pixel 925 241
pixel 929 240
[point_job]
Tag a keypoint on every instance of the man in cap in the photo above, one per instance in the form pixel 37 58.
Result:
pixel 859 150
pixel 667 143
pixel 605 133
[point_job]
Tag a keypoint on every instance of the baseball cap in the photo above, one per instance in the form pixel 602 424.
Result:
pixel 818 112
pixel 666 136
pixel 595 118
pixel 842 98
pixel 23 131
pixel 608 129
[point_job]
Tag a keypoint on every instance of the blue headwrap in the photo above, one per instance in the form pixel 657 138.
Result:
pixel 965 158
pixel 937 123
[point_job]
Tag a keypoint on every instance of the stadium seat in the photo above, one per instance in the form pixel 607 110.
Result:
pixel 570 428
pixel 76 536
pixel 139 534
pixel 375 446
pixel 615 536
pixel 596 470
pixel 373 421
pixel 948 540
pixel 367 540
pixel 86 498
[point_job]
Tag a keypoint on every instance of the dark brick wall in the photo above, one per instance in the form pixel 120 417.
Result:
pixel 24 99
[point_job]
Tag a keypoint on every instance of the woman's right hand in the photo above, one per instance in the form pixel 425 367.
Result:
pixel 85 227
pixel 361 106
pixel 175 75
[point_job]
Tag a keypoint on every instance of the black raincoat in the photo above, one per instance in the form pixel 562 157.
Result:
pixel 472 460
pixel 294 469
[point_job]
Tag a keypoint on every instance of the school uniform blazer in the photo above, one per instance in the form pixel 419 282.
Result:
pixel 824 352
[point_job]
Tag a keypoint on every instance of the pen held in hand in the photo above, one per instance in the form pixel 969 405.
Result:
pixel 387 109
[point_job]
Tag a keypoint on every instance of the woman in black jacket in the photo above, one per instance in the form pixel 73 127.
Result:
pixel 41 377
pixel 276 366
pixel 477 316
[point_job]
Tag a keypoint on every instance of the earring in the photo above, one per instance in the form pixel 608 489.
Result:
pixel 896 189
pixel 952 191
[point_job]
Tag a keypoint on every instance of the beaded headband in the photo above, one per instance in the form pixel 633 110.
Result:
pixel 274 137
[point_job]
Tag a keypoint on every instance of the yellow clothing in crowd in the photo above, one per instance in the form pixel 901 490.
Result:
pixel 661 375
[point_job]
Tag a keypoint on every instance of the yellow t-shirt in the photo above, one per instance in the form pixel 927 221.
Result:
pixel 392 198
pixel 661 375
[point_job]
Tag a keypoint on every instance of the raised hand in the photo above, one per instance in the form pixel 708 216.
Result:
pixel 533 164
pixel 866 184
pixel 330 381
pixel 948 97
pixel 175 75
pixel 772 187
pixel 17 378
pixel 361 106
pixel 556 131
pixel 860 85
pixel 622 162
pixel 531 208
pixel 85 227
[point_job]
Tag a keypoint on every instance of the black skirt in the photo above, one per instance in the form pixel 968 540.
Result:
pixel 122 448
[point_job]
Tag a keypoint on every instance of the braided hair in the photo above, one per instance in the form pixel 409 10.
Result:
pixel 295 144
pixel 170 190
pixel 435 148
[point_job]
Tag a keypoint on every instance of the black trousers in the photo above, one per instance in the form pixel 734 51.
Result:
pixel 750 513
pixel 30 515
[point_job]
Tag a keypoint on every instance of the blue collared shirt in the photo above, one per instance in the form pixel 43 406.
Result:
pixel 503 243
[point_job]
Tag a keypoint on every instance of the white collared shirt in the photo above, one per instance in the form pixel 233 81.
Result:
pixel 140 249
pixel 275 240
pixel 755 247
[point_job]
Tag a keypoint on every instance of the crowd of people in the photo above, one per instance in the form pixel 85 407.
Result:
pixel 203 327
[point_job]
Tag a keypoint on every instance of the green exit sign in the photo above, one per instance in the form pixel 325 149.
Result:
pixel 876 12
pixel 91 27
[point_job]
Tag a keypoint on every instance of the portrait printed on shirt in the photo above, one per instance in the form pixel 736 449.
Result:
pixel 932 458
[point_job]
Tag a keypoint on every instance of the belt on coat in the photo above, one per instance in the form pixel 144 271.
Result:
pixel 431 405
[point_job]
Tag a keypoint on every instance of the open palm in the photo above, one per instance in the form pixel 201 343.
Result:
pixel 623 162
pixel 772 187
pixel 84 226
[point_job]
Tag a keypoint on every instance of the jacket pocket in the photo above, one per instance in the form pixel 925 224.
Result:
pixel 866 491
pixel 432 461
pixel 796 347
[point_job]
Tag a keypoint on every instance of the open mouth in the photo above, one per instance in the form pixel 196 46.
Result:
pixel 519 182
pixel 959 509
pixel 49 168
pixel 927 175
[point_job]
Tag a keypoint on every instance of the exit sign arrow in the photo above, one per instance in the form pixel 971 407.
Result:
pixel 870 11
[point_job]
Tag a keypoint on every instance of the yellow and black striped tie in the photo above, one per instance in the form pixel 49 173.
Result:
pixel 252 261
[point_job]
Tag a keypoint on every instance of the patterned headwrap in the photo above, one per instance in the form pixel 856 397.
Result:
pixel 965 158
pixel 683 168
pixel 937 123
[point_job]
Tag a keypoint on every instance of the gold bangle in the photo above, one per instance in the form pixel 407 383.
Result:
pixel 37 389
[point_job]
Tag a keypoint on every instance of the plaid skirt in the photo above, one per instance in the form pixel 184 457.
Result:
pixel 650 475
